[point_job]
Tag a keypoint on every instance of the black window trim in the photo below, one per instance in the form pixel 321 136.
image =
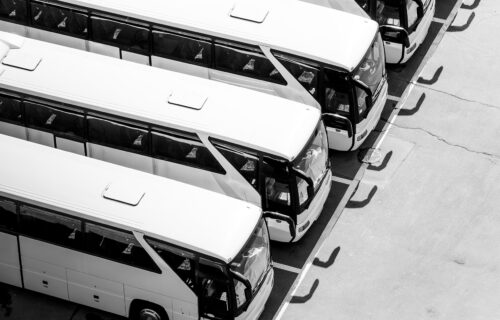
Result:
pixel 23 113
pixel 188 137
pixel 83 222
pixel 17 226
pixel 64 6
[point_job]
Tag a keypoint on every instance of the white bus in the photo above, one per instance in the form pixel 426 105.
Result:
pixel 266 150
pixel 128 242
pixel 404 24
pixel 303 52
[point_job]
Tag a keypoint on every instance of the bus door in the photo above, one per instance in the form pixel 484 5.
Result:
pixel 338 109
pixel 10 269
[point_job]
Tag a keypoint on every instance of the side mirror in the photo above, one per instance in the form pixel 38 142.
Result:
pixel 287 219
pixel 395 34
pixel 341 121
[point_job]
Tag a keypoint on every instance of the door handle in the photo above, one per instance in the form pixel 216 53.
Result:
pixel 45 283
pixel 96 298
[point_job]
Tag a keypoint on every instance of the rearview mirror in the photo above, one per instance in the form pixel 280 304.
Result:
pixel 340 121
pixel 282 217
pixel 395 34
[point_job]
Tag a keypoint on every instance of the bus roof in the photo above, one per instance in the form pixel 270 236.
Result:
pixel 304 29
pixel 343 5
pixel 252 119
pixel 75 184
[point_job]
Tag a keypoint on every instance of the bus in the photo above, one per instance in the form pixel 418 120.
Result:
pixel 266 150
pixel 128 242
pixel 329 59
pixel 404 24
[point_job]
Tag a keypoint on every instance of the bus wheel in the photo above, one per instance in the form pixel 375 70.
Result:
pixel 147 311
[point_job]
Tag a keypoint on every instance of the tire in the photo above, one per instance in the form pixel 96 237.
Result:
pixel 147 311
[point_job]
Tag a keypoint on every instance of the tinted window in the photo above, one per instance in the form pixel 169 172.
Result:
pixel 55 120
pixel 306 74
pixel 123 35
pixel 186 149
pixel 250 62
pixel 214 290
pixel 337 97
pixel 10 109
pixel 59 19
pixel 117 245
pixel 8 215
pixel 180 261
pixel 117 135
pixel 277 186
pixel 245 163
pixel 180 47
pixel 51 227
pixel 15 10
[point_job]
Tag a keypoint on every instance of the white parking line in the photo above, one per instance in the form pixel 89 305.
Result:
pixel 393 98
pixel 439 20
pixel 286 267
pixel 341 180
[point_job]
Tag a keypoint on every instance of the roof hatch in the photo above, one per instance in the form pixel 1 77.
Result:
pixel 191 100
pixel 249 10
pixel 18 59
pixel 124 193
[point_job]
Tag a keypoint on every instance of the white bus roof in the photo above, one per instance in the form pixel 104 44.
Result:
pixel 343 5
pixel 310 31
pixel 252 119
pixel 188 216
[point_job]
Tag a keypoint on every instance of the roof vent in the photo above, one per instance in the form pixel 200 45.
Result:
pixel 124 193
pixel 249 11
pixel 191 100
pixel 21 60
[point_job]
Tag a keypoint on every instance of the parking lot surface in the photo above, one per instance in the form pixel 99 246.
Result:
pixel 409 230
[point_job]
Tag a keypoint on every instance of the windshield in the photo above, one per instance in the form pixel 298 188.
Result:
pixel 253 261
pixel 313 162
pixel 370 72
pixel 387 13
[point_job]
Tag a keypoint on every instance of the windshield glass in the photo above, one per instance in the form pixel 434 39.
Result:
pixel 387 13
pixel 253 261
pixel 313 162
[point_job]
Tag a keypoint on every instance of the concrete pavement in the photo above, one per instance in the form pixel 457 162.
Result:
pixel 427 244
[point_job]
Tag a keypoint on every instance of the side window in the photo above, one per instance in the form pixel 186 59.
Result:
pixel 180 261
pixel 55 120
pixel 117 245
pixel 51 227
pixel 214 290
pixel 246 61
pixel 182 47
pixel 59 19
pixel 8 215
pixel 10 110
pixel 306 74
pixel 245 163
pixel 117 135
pixel 124 35
pixel 277 186
pixel 14 10
pixel 184 149
pixel 337 97
pixel 387 13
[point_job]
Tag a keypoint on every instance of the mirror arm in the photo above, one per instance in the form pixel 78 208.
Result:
pixel 280 216
pixel 248 287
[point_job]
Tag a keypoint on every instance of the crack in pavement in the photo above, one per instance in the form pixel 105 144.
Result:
pixel 487 154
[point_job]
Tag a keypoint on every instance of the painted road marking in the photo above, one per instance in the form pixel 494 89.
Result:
pixel 286 267
pixel 341 180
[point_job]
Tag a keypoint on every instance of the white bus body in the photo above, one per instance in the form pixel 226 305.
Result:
pixel 404 24
pixel 252 146
pixel 128 242
pixel 303 52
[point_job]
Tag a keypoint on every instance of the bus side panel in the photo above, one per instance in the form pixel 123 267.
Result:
pixel 70 146
pixel 245 82
pixel 194 176
pixel 10 271
pixel 13 28
pixel 13 130
pixel 181 67
pixel 96 292
pixel 120 157
pixel 39 275
pixel 134 57
pixel 57 38
pixel 103 49
pixel 40 137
